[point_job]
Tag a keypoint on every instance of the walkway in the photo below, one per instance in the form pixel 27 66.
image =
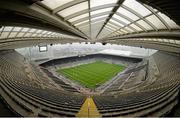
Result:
pixel 88 109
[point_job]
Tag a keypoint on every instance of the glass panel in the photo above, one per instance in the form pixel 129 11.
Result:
pixel 145 25
pixel 110 31
pixel 116 33
pixel 171 41
pixel 74 9
pixel 177 42
pixel 97 21
pixel 136 27
pixel 48 32
pixel 109 27
pixel 34 35
pixel 61 35
pixel 165 40
pixel 121 19
pixel 82 26
pixel 154 40
pixel 16 29
pixel 105 32
pixel 25 29
pixel 128 29
pixel 160 40
pixel 31 30
pixel 86 21
pixel 53 33
pixel 44 32
pixel 55 3
pixel 103 16
pixel 137 7
pixel 119 24
pixel 27 34
pixel 101 11
pixel 170 22
pixel 38 31
pixel 120 32
pixel 13 34
pixel 127 13
pixel 125 32
pixel 39 35
pixel 4 34
pixel 156 22
pixel 94 3
pixel 113 25
pixel 95 27
pixel 8 29
pixel 49 35
pixel 85 28
pixel 44 35
pixel 20 34
pixel 78 17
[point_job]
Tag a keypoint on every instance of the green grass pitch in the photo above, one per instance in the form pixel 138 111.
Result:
pixel 93 74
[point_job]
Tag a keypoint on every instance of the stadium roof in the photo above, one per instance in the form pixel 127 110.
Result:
pixel 107 18
pixel 128 22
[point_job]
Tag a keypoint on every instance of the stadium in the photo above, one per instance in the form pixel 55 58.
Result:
pixel 89 58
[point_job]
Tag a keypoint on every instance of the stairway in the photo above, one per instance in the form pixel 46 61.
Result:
pixel 88 109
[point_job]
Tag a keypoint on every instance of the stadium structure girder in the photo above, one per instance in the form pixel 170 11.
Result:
pixel 19 13
pixel 169 7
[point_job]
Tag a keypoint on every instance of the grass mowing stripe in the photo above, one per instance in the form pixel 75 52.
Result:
pixel 79 79
pixel 93 73
pixel 77 76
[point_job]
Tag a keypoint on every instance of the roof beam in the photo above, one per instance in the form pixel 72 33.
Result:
pixel 18 32
pixel 168 7
pixel 26 32
pixel 19 13
pixel 34 32
pixel 166 46
pixel 129 19
pixel 89 7
pixel 138 15
pixel 173 34
pixel 129 23
pixel 2 31
pixel 110 15
pixel 93 16
pixel 87 10
pixel 10 32
pixel 125 25
pixel 92 21
pixel 114 24
pixel 31 1
pixel 155 13
pixel 67 5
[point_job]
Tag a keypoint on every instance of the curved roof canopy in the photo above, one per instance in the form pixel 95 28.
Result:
pixel 126 22
pixel 107 18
